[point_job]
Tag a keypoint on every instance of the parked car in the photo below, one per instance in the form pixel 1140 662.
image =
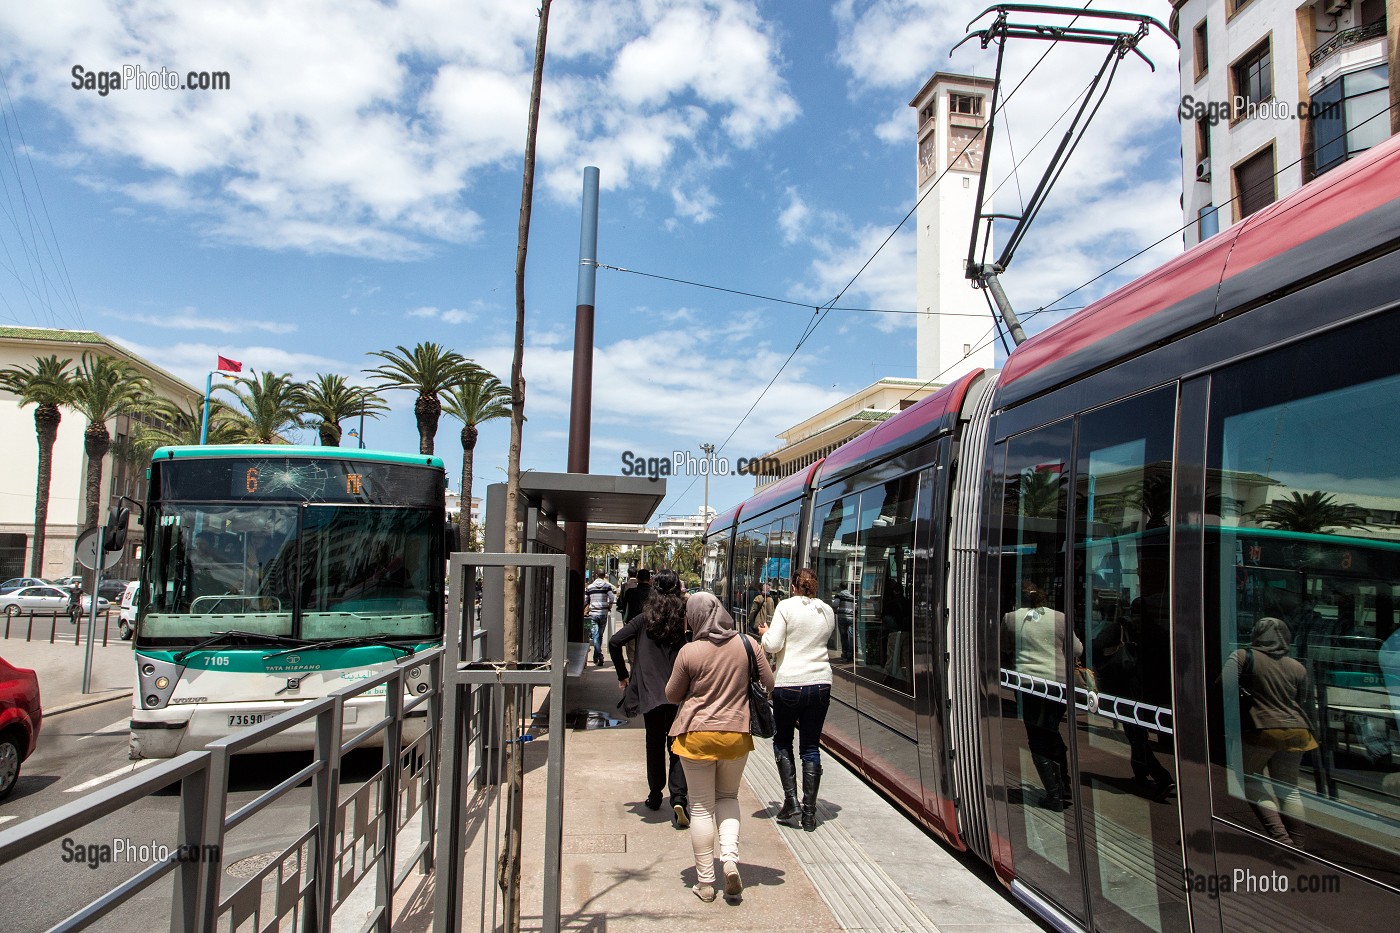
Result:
pixel 14 583
pixel 67 581
pixel 126 618
pixel 112 589
pixel 20 717
pixel 43 599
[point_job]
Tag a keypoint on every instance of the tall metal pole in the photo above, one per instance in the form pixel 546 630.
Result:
pixel 204 423
pixel 709 450
pixel 92 613
pixel 362 419
pixel 581 407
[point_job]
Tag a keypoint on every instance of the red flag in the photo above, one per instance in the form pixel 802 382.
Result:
pixel 227 365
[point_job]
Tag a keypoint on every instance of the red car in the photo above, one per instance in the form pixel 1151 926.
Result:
pixel 20 715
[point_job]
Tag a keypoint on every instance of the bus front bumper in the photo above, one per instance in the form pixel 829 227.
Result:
pixel 165 733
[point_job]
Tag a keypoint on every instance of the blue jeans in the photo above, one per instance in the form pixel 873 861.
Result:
pixel 598 623
pixel 804 709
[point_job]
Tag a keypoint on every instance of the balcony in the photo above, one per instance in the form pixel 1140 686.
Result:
pixel 1344 39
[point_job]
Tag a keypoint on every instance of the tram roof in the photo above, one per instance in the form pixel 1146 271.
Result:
pixel 790 487
pixel 1328 222
pixel 207 451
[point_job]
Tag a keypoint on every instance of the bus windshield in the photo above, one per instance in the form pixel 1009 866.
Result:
pixel 304 571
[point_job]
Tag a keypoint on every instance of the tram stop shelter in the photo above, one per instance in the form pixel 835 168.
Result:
pixel 547 500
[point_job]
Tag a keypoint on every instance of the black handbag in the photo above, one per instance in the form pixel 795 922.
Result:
pixel 761 721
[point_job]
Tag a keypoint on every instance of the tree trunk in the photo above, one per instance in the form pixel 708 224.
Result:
pixel 469 436
pixel 509 876
pixel 427 410
pixel 46 421
pixel 330 433
pixel 96 442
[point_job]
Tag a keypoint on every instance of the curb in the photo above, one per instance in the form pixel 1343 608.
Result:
pixel 82 704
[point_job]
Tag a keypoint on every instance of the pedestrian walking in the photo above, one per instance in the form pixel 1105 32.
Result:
pixel 709 683
pixel 657 633
pixel 797 638
pixel 598 597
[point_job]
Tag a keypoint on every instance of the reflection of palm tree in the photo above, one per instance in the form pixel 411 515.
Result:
pixel 1036 493
pixel 1310 513
pixel 46 387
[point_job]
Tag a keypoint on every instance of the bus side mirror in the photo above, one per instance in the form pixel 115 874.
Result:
pixel 114 537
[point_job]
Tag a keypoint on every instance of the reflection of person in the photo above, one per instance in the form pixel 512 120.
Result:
pixel 843 601
pixel 761 609
pixel 896 618
pixel 598 596
pixel 797 639
pixel 1308 627
pixel 1035 636
pixel 1122 648
pixel 711 734
pixel 658 632
pixel 1275 727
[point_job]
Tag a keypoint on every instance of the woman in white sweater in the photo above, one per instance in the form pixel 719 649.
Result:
pixel 797 638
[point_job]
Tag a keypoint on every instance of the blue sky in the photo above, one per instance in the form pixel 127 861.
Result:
pixel 358 187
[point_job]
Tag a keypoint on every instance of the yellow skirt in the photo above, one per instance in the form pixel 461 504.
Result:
pixel 1281 740
pixel 712 746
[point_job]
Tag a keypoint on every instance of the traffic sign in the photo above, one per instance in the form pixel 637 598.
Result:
pixel 86 552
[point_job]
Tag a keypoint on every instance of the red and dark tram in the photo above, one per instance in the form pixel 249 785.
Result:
pixel 1211 447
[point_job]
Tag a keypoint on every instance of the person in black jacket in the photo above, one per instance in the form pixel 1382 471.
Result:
pixel 659 632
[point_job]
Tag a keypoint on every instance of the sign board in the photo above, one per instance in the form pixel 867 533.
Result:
pixel 85 550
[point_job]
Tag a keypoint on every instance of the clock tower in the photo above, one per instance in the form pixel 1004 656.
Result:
pixel 953 320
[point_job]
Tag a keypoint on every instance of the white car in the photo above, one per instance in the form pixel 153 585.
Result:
pixel 126 618
pixel 43 599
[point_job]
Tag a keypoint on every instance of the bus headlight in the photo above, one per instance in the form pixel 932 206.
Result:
pixel 162 683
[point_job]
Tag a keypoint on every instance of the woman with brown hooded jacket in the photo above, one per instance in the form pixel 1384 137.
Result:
pixel 710 682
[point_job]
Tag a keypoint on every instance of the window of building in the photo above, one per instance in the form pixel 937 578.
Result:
pixel 12 549
pixel 965 103
pixel 1254 182
pixel 1252 77
pixel 1202 142
pixel 1350 116
pixel 1372 12
pixel 1201 50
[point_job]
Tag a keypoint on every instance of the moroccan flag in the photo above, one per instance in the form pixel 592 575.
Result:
pixel 227 365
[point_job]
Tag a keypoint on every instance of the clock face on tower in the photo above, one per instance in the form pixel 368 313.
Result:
pixel 927 149
pixel 964 149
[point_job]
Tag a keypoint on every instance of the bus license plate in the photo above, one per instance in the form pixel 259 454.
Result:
pixel 248 719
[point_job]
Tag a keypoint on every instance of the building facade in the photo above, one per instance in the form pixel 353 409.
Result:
pixel 123 470
pixel 681 529
pixel 1275 93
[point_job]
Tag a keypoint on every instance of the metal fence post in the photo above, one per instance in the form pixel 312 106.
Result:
pixel 447 910
pixel 389 800
pixel 325 792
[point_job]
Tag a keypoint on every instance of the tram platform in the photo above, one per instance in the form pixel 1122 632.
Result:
pixel 625 868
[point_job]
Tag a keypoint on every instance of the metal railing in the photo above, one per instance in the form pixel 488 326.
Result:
pixel 54 616
pixel 1345 38
pixel 489 719
pixel 343 844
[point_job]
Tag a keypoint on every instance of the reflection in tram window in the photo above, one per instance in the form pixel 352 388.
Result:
pixel 884 624
pixel 838 567
pixel 1303 540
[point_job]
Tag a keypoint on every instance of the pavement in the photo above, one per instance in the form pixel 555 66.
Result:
pixel 60 664
pixel 625 868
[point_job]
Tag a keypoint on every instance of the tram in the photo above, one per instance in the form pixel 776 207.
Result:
pixel 275 574
pixel 1212 445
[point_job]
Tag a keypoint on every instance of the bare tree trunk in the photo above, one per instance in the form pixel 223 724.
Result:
pixel 469 436
pixel 509 869
pixel 46 420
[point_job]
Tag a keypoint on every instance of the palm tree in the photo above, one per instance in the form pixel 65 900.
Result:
pixel 478 398
pixel 46 387
pixel 176 425
pixel 330 401
pixel 103 388
pixel 272 403
pixel 1310 513
pixel 430 369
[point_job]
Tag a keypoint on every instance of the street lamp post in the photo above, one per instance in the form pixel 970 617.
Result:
pixel 362 419
pixel 709 450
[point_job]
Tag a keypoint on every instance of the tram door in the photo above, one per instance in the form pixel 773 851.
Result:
pixel 1087 664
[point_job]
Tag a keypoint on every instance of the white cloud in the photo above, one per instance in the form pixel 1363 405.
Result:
pixel 191 319
pixel 192 361
pixel 698 205
pixel 449 316
pixel 368 129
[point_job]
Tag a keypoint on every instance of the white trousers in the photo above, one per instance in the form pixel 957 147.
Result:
pixel 713 787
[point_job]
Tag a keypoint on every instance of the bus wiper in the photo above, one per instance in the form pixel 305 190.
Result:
pixel 218 637
pixel 379 640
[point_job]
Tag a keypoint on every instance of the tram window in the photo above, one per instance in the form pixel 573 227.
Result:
pixel 838 567
pixel 1303 571
pixel 884 624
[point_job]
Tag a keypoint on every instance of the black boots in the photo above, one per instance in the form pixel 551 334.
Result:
pixel 811 782
pixel 1052 780
pixel 787 773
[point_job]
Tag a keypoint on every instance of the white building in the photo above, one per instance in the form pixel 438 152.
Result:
pixel 123 473
pixel 681 529
pixel 1274 93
